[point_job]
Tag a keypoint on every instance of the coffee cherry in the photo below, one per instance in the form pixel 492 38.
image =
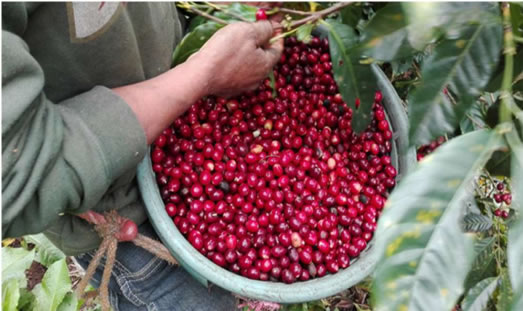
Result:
pixel 261 15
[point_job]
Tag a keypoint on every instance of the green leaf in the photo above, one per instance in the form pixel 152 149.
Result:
pixel 515 235
pixel 10 294
pixel 474 118
pixel 26 300
pixel 478 297
pixel 505 293
pixel 55 284
pixel 385 37
pixel 354 80
pixel 424 255
pixel 196 21
pixel 70 302
pixel 303 33
pixel 14 263
pixel 473 222
pixel 46 253
pixel 484 264
pixel 463 65
pixel 246 11
pixel 193 41
pixel 516 18
pixel 351 15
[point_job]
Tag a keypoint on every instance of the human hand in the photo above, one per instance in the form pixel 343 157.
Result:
pixel 238 57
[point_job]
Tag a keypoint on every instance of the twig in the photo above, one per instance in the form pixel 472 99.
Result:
pixel 318 15
pixel 291 11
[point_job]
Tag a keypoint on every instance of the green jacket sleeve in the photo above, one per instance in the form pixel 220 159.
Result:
pixel 58 157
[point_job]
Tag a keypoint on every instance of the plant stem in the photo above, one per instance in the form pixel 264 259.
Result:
pixel 509 51
pixel 291 11
pixel 282 35
pixel 319 15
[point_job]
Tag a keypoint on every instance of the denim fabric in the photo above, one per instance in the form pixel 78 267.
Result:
pixel 141 281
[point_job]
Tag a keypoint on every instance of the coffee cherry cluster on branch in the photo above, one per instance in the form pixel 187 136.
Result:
pixel 277 188
pixel 424 150
pixel 502 196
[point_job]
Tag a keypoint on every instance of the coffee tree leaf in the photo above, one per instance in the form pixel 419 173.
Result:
pixel 55 285
pixel 474 118
pixel 516 18
pixel 463 65
pixel 473 222
pixel 351 15
pixel 478 296
pixel 14 263
pixel 193 41
pixel 515 234
pixel 247 12
pixel 10 294
pixel 354 80
pixel 505 294
pixel 385 37
pixel 484 264
pixel 46 253
pixel 423 254
pixel 195 22
pixel 303 33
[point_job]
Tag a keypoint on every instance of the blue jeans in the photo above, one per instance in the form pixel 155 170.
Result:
pixel 141 281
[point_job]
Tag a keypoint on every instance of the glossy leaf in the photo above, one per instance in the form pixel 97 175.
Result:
pixel 14 263
pixel 303 33
pixel 473 222
pixel 515 235
pixel 245 11
pixel 10 294
pixel 55 285
pixel 193 41
pixel 351 15
pixel 516 17
pixel 505 295
pixel 424 255
pixel 354 80
pixel 46 253
pixel 474 119
pixel 478 297
pixel 484 264
pixel 385 37
pixel 464 66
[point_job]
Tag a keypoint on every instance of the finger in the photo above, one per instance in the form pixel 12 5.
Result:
pixel 273 51
pixel 262 32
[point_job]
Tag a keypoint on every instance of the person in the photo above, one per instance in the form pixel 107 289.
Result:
pixel 86 87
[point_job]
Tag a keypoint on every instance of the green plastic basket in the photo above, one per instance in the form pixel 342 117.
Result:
pixel 207 272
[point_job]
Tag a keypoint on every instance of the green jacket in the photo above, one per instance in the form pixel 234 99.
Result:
pixel 69 144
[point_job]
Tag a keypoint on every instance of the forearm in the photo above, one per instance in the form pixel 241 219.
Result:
pixel 157 102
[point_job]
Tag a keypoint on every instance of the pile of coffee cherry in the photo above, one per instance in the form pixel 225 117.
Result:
pixel 277 187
